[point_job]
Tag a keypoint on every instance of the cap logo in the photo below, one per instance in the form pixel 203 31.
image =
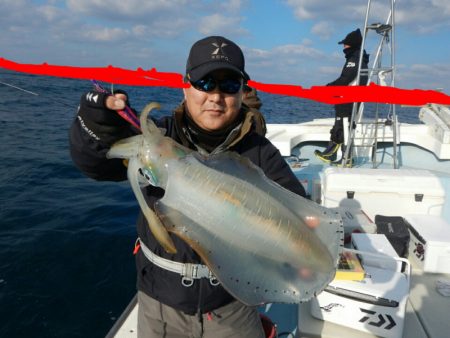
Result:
pixel 218 53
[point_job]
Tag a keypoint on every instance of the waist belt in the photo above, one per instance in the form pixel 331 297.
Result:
pixel 188 271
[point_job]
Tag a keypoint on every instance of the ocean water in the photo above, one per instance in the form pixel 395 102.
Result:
pixel 66 241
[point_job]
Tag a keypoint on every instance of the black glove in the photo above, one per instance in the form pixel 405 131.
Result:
pixel 101 123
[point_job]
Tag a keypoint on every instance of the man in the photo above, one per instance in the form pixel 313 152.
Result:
pixel 352 51
pixel 211 119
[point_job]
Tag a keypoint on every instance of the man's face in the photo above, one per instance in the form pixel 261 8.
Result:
pixel 214 110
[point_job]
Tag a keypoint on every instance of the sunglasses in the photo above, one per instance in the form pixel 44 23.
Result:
pixel 208 84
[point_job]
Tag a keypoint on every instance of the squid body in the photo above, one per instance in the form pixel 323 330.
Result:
pixel 248 230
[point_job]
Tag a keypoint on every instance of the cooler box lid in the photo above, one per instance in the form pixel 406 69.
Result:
pixel 397 181
pixel 431 228
pixel 379 283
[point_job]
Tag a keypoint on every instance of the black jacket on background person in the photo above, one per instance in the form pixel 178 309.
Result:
pixel 88 153
pixel 348 75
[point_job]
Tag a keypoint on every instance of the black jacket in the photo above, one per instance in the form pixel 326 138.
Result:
pixel 160 284
pixel 348 75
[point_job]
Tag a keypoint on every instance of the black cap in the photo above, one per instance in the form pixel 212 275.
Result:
pixel 212 53
pixel 353 39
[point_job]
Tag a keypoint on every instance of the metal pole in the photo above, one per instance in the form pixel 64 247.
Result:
pixel 394 114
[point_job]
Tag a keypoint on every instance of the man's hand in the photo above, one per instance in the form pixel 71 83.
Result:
pixel 98 116
pixel 116 102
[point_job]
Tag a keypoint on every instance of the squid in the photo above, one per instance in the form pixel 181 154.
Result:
pixel 252 233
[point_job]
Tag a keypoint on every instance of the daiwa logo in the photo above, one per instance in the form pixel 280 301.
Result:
pixel 218 53
pixel 331 306
pixel 351 65
pixel 378 321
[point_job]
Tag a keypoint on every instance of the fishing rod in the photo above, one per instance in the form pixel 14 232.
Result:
pixel 127 113
pixel 97 87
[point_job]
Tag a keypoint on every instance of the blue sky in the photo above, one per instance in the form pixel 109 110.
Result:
pixel 290 41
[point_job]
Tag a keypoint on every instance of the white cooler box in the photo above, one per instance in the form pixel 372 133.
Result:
pixel 355 221
pixel 388 192
pixel 379 244
pixel 377 304
pixel 429 246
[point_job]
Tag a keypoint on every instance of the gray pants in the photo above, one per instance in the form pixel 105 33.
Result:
pixel 156 320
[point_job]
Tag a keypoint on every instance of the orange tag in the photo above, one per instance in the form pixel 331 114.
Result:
pixel 136 248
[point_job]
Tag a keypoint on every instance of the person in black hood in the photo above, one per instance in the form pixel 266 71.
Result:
pixel 352 50
pixel 211 119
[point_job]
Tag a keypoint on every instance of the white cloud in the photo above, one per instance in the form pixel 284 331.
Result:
pixel 50 13
pixel 297 50
pixel 29 26
pixel 280 53
pixel 288 63
pixel 221 25
pixel 129 9
pixel 330 71
pixel 105 34
pixel 233 5
pixel 324 9
pixel 424 16
pixel 145 19
pixel 256 54
pixel 125 33
pixel 162 29
pixel 158 34
pixel 323 29
pixel 419 15
pixel 412 77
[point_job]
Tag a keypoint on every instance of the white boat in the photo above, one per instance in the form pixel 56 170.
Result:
pixel 398 169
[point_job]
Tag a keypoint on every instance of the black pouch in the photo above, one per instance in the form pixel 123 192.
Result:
pixel 395 228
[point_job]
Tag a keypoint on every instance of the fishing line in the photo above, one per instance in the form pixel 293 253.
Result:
pixel 126 113
pixel 24 90
pixel 39 95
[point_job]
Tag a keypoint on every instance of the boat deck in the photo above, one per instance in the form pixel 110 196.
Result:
pixel 426 315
